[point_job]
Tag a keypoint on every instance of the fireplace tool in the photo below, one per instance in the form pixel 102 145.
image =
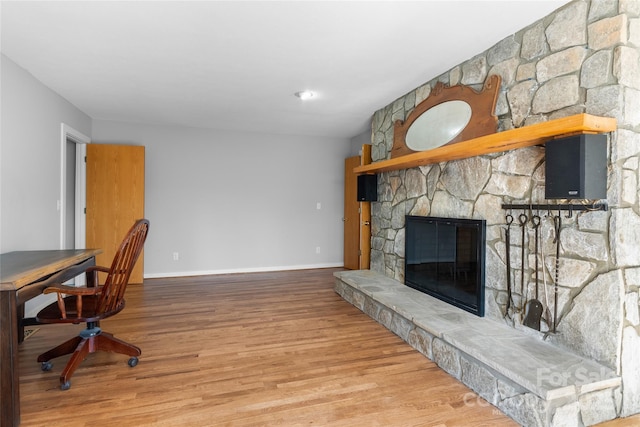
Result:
pixel 557 224
pixel 523 219
pixel 507 235
pixel 547 312
pixel 533 310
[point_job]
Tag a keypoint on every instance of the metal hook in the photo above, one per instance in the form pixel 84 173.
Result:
pixel 557 225
pixel 570 214
pixel 509 219
pixel 535 221
pixel 523 218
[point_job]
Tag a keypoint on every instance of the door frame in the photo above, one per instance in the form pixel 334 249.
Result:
pixel 67 133
pixel 364 259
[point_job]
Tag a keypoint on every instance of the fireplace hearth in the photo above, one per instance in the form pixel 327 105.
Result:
pixel 531 380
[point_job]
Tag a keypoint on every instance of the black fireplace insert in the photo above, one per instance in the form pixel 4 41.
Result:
pixel 445 258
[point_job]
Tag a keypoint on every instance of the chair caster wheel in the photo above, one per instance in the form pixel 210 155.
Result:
pixel 65 386
pixel 133 361
pixel 46 366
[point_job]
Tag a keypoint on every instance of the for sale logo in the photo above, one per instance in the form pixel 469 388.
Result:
pixel 579 377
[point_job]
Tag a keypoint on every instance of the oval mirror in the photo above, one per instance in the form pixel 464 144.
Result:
pixel 438 125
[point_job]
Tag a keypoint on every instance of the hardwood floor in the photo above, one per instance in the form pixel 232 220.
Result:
pixel 260 349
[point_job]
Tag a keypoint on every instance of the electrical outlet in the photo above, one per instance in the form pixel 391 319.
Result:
pixel 176 256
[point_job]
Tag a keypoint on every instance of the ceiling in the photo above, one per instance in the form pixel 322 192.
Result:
pixel 236 65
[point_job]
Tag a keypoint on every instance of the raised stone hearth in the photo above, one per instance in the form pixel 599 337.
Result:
pixel 531 380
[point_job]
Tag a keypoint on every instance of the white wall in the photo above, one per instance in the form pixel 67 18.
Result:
pixel 30 164
pixel 358 141
pixel 30 150
pixel 226 201
pixel 232 201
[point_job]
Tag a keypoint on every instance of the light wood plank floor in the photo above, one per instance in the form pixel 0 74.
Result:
pixel 261 349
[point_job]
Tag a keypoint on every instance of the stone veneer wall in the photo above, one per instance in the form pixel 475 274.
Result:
pixel 584 58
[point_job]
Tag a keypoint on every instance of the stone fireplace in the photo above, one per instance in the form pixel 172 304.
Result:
pixel 584 58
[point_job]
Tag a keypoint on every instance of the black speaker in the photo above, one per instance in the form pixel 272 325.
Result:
pixel 367 188
pixel 576 167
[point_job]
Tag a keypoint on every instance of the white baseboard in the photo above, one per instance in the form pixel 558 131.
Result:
pixel 241 270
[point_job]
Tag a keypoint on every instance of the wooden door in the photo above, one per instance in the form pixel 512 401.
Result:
pixel 351 217
pixel 115 198
pixel 357 216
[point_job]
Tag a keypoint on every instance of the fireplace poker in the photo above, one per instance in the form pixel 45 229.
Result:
pixel 507 235
pixel 523 218
pixel 557 223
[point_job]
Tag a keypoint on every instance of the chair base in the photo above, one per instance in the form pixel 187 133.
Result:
pixel 89 341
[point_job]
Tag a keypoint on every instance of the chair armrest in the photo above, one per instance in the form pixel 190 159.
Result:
pixel 61 290
pixel 92 275
pixel 71 290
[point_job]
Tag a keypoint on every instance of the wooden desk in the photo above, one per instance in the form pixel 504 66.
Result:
pixel 23 275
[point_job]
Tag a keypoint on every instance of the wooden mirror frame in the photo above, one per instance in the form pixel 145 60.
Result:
pixel 482 121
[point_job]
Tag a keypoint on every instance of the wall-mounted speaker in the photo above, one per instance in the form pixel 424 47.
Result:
pixel 367 188
pixel 576 167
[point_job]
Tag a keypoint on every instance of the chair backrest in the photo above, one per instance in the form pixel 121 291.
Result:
pixel 112 296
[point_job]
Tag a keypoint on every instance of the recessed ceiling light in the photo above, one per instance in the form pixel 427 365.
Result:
pixel 305 94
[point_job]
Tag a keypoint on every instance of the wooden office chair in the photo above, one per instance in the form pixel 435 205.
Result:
pixel 91 304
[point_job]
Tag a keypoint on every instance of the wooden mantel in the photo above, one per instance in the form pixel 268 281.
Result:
pixel 526 136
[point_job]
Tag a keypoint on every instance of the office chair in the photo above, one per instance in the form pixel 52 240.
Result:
pixel 93 303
